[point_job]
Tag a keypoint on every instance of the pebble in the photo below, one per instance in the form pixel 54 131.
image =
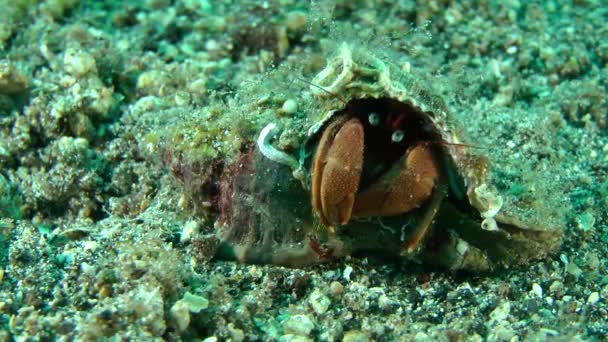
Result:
pixel 594 297
pixel 335 288
pixel 78 63
pixel 296 20
pixel 294 338
pixel 195 303
pixel 236 334
pixel 181 315
pixel 574 270
pixel 347 271
pixel 385 303
pixel 511 50
pixel 557 288
pixel 501 312
pixel 290 106
pixel 420 337
pixel 585 221
pixel 319 302
pixel 300 325
pixel 536 291
pixel 501 333
pixel 604 293
pixel 190 230
pixel 11 80
pixel 355 336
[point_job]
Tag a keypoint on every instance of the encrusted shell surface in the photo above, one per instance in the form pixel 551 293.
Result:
pixel 501 233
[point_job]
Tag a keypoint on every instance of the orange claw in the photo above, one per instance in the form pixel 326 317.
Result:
pixel 411 182
pixel 405 187
pixel 337 169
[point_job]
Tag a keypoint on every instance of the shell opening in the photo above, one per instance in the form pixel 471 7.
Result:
pixel 385 121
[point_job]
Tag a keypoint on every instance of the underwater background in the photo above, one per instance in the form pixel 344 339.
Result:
pixel 118 121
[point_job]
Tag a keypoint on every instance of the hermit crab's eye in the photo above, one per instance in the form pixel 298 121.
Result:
pixel 374 119
pixel 397 136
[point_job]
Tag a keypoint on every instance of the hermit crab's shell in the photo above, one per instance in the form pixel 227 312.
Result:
pixel 356 74
pixel 266 214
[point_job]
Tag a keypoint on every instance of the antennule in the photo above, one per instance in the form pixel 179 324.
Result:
pixel 322 89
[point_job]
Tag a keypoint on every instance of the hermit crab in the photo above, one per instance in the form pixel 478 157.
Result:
pixel 382 168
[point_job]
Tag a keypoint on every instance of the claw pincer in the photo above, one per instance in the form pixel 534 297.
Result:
pixel 337 170
pixel 365 168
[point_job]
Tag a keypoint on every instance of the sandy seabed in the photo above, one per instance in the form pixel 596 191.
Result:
pixel 110 113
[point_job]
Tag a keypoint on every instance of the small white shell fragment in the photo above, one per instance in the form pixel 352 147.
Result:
pixel 347 271
pixel 290 106
pixel 593 298
pixel 490 200
pixel 511 50
pixel 180 311
pixel 489 224
pixel 536 291
pixel 191 229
